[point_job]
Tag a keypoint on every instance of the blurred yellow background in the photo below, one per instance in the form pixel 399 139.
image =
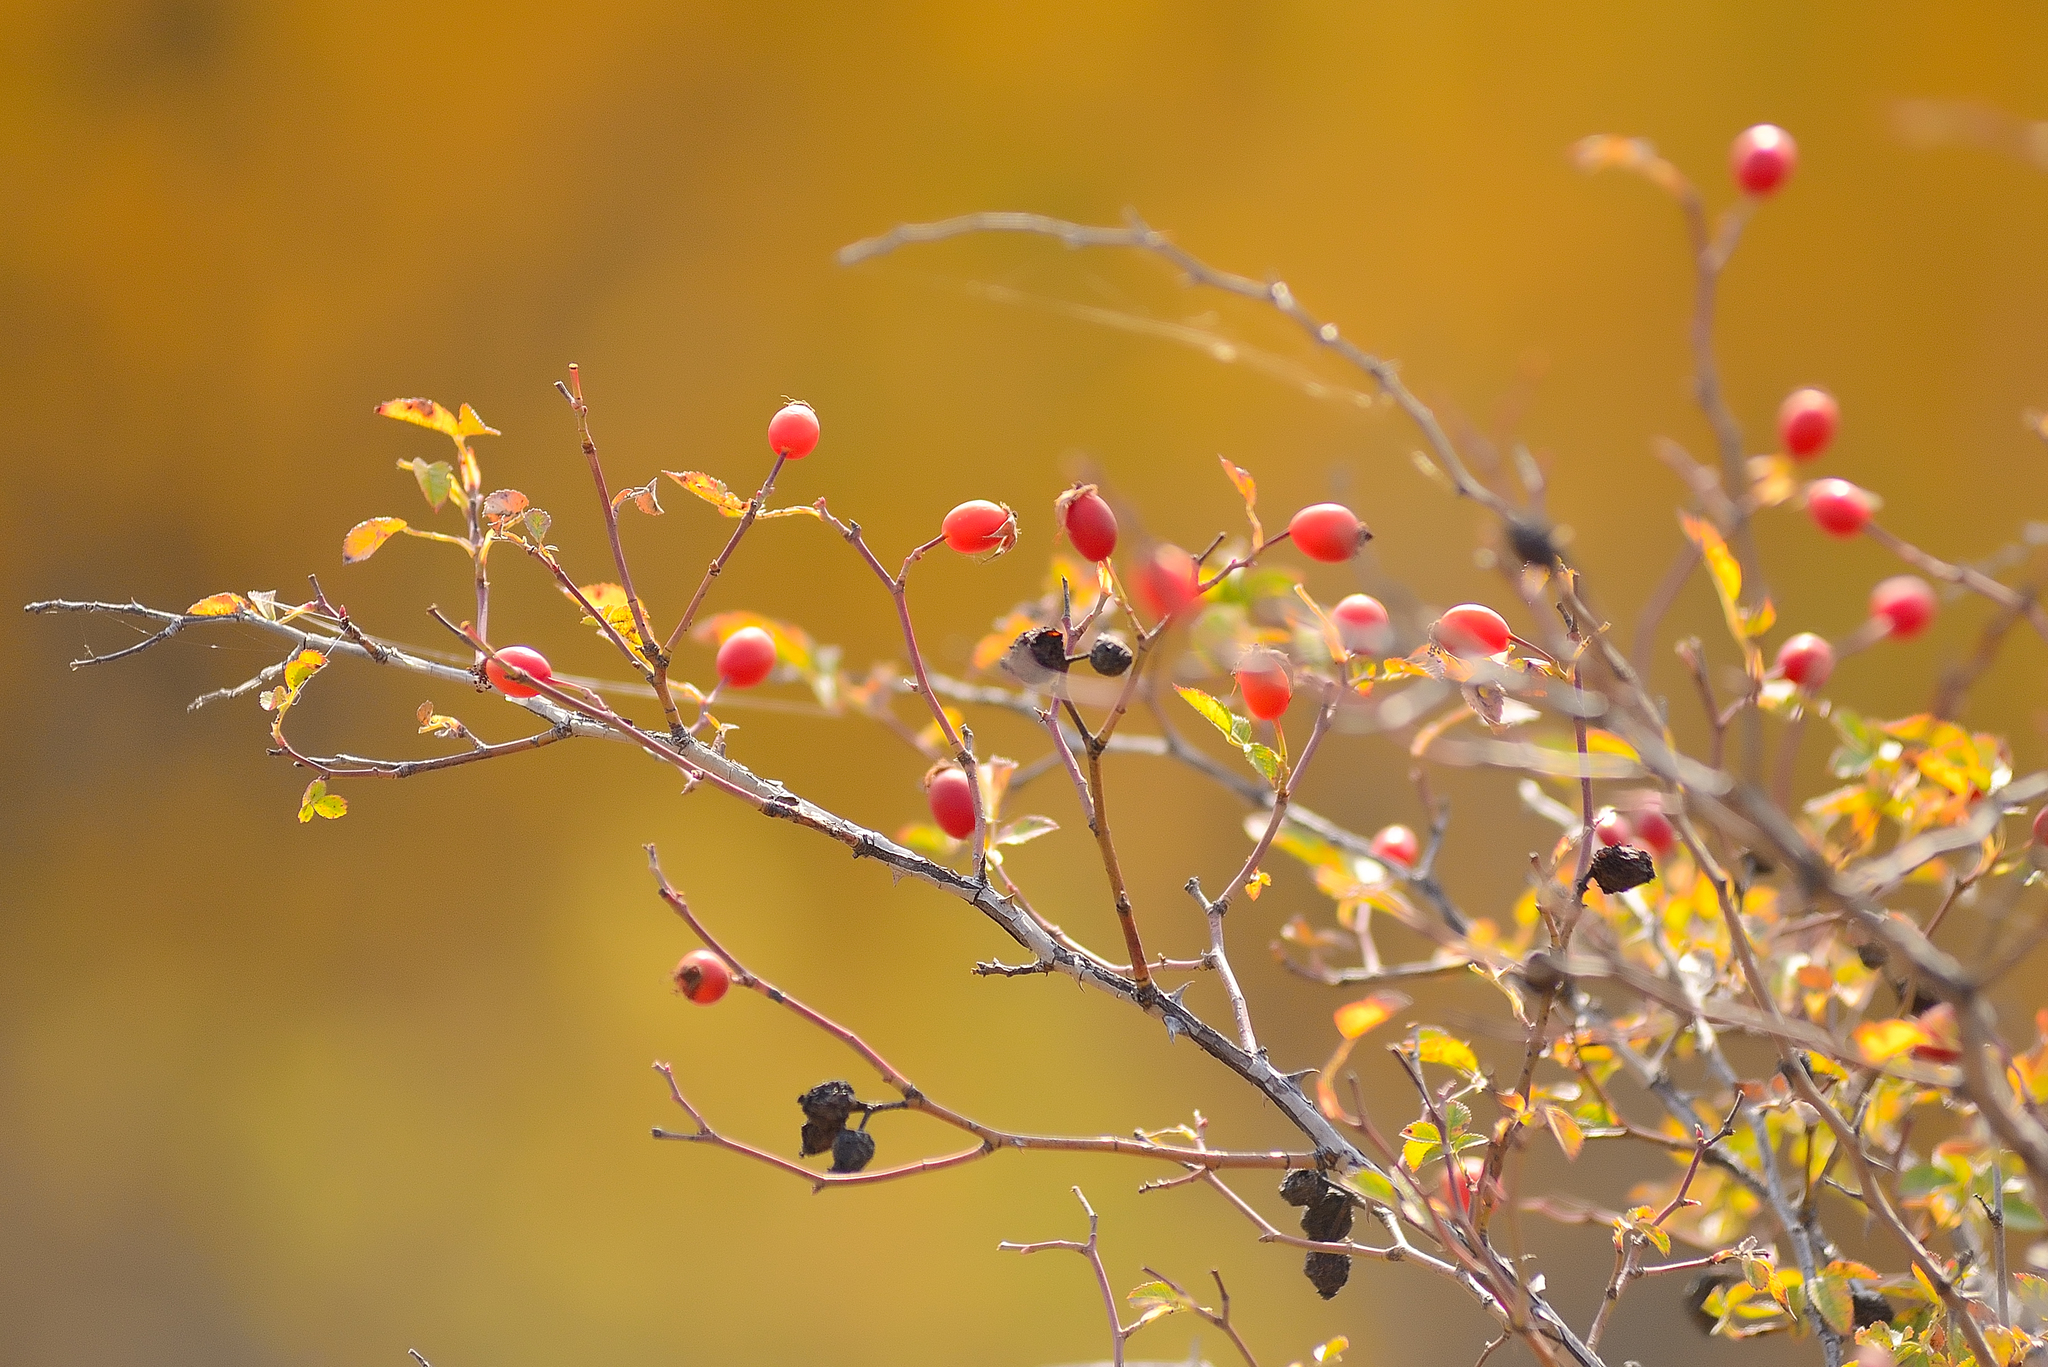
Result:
pixel 317 1094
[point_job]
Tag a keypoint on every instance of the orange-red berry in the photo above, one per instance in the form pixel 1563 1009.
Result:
pixel 1329 532
pixel 1838 507
pixel 1905 603
pixel 1761 159
pixel 793 432
pixel 1085 516
pixel 952 801
pixel 1363 624
pixel 1807 660
pixel 1612 828
pixel 1806 422
pixel 746 657
pixel 1471 629
pixel 1169 580
pixel 1262 679
pixel 702 977
pixel 519 657
pixel 979 526
pixel 1397 845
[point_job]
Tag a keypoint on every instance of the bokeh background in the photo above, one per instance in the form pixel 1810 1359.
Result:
pixel 317 1094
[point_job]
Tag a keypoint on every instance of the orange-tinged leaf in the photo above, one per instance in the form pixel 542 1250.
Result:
pixel 1881 1041
pixel 220 605
pixel 503 504
pixel 302 667
pixel 366 536
pixel 1257 884
pixel 1369 1013
pixel 711 489
pixel 1248 490
pixel 643 497
pixel 604 596
pixel 1565 1130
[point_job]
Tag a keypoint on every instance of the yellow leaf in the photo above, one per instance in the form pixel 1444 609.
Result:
pixel 1721 566
pixel 1257 883
pixel 1881 1041
pixel 1369 1013
pixel 424 413
pixel 302 667
pixel 1330 1351
pixel 1434 1046
pixel 468 424
pixel 220 605
pixel 1770 481
pixel 1565 1130
pixel 366 536
pixel 711 489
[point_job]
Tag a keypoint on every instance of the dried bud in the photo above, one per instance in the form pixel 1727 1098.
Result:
pixel 1109 657
pixel 1542 973
pixel 1037 655
pixel 1303 1187
pixel 1617 868
pixel 1871 1308
pixel 852 1150
pixel 825 1108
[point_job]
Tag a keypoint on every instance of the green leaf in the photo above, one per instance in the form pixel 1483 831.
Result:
pixel 1830 1295
pixel 1025 828
pixel 1214 712
pixel 317 801
pixel 926 840
pixel 436 479
pixel 1264 760
pixel 1860 744
pixel 1371 1185
pixel 1154 1300
pixel 1458 1116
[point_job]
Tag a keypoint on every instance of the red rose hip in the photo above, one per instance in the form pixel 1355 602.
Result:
pixel 1363 624
pixel 1905 603
pixel 2041 826
pixel 702 977
pixel 1761 159
pixel 1397 845
pixel 519 657
pixel 1169 580
pixel 951 800
pixel 1838 507
pixel 1806 660
pixel 1086 518
pixel 1612 828
pixel 1262 679
pixel 978 526
pixel 1329 532
pixel 793 432
pixel 1471 629
pixel 1654 831
pixel 746 657
pixel 1806 422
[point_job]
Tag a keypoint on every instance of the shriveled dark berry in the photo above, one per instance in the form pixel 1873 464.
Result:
pixel 1873 953
pixel 1109 657
pixel 1871 1307
pixel 852 1150
pixel 1529 538
pixel 1327 1272
pixel 825 1108
pixel 1328 1220
pixel 1303 1187
pixel 1617 868
pixel 1046 647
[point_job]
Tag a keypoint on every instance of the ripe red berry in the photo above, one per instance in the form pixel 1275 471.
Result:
pixel 1806 422
pixel 793 432
pixel 2041 826
pixel 1654 831
pixel 1087 520
pixel 978 525
pixel 519 657
pixel 1838 507
pixel 1169 581
pixel 1470 629
pixel 1761 158
pixel 1397 845
pixel 746 657
pixel 1906 603
pixel 1329 532
pixel 1807 660
pixel 1363 625
pixel 1612 828
pixel 1262 679
pixel 952 801
pixel 702 977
